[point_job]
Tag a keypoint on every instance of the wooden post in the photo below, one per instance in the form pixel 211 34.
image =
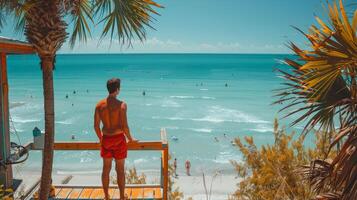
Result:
pixel 5 172
pixel 165 164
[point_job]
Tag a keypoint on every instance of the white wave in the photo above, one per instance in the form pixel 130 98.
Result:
pixel 148 104
pixel 79 172
pixel 204 97
pixel 170 103
pixel 203 130
pixel 20 120
pixel 203 89
pixel 226 157
pixel 218 114
pixel 65 122
pixel 262 128
pixel 172 127
pixel 140 160
pixel 16 104
pixel 182 97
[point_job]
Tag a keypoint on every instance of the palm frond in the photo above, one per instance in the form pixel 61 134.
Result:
pixel 125 19
pixel 322 88
pixel 81 14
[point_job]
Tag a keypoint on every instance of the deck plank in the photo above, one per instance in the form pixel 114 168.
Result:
pixel 97 193
pixel 86 193
pixel 128 192
pixel 111 192
pixel 152 193
pixel 57 191
pixel 63 194
pixel 76 192
pixel 136 193
pixel 115 194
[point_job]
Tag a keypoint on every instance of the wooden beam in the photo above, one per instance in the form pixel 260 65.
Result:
pixel 5 171
pixel 136 146
pixel 13 48
pixel 165 171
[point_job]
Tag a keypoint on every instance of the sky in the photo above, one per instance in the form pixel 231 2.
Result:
pixel 213 26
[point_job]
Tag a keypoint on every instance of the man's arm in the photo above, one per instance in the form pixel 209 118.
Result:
pixel 97 124
pixel 125 123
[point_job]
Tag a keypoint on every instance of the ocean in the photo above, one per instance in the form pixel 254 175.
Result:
pixel 203 100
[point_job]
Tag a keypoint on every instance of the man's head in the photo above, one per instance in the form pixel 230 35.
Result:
pixel 113 86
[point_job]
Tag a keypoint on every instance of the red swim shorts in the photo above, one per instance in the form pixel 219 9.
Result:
pixel 114 146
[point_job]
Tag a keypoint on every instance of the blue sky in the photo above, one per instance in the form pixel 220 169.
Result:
pixel 215 26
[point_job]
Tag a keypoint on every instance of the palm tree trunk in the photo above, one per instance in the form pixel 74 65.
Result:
pixel 47 77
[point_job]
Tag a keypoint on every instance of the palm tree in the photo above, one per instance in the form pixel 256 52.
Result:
pixel 45 27
pixel 321 87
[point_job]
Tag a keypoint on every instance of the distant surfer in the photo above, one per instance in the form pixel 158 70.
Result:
pixel 174 138
pixel 233 143
pixel 226 85
pixel 74 92
pixel 144 93
pixel 188 167
pixel 66 96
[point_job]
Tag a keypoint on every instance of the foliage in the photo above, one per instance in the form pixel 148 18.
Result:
pixel 5 194
pixel 322 88
pixel 269 172
pixel 131 177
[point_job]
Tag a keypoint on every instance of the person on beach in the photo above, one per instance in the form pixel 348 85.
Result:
pixel 113 137
pixel 188 167
pixel 175 167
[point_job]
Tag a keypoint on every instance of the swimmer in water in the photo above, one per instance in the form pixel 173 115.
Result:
pixel 66 96
pixel 74 92
pixel 226 85
pixel 216 139
pixel 144 93
pixel 73 137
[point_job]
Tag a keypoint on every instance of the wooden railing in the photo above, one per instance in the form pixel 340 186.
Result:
pixel 161 145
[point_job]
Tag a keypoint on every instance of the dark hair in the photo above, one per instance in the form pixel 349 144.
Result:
pixel 113 84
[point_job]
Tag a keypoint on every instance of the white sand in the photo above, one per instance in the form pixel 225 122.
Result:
pixel 192 186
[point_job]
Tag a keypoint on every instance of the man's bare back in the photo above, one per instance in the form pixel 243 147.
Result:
pixel 112 113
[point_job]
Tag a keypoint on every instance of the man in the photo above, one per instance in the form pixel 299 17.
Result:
pixel 113 136
pixel 175 167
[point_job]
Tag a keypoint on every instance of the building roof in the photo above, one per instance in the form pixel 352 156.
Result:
pixel 11 46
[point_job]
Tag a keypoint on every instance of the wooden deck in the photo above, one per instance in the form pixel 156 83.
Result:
pixel 96 192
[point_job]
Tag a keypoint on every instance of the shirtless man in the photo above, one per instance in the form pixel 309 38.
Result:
pixel 113 136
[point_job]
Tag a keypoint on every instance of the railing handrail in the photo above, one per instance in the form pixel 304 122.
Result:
pixel 90 145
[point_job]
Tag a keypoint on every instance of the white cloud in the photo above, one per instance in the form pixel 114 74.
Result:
pixel 156 45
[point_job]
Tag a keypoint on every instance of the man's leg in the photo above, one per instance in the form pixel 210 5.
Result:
pixel 107 166
pixel 119 167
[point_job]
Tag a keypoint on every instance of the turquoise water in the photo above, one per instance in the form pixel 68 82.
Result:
pixel 185 93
